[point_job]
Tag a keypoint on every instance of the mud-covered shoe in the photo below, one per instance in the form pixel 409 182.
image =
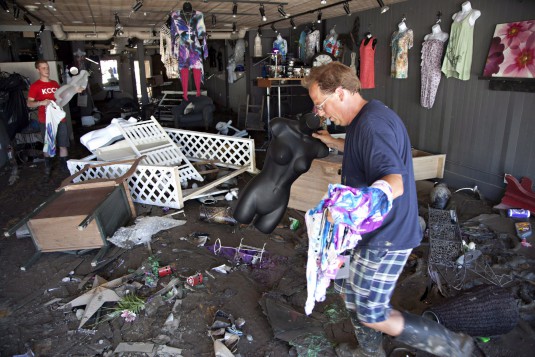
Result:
pixel 346 350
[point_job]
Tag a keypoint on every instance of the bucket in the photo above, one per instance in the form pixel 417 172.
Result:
pixel 485 310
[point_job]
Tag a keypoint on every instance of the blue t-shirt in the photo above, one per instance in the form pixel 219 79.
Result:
pixel 376 145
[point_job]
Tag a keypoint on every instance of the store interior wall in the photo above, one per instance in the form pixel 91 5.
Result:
pixel 485 133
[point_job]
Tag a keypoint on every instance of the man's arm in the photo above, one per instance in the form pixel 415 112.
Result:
pixel 396 182
pixel 32 103
pixel 331 142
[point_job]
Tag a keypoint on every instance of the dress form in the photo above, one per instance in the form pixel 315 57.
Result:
pixel 402 27
pixel 466 10
pixel 436 34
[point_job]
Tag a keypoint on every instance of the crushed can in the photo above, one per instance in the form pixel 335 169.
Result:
pixel 194 279
pixel 518 213
pixel 164 271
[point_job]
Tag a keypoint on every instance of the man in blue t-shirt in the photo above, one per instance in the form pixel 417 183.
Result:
pixel 377 147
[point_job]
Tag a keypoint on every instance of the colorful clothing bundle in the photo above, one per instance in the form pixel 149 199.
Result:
pixel 54 115
pixel 355 211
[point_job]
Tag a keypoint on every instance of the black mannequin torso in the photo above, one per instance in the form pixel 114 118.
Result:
pixel 187 8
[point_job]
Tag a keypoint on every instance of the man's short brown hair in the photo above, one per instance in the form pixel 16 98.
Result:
pixel 38 62
pixel 331 76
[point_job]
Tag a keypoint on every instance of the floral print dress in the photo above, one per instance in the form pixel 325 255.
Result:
pixel 431 57
pixel 401 43
pixel 187 32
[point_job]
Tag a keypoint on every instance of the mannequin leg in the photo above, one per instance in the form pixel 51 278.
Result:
pixel 184 78
pixel 197 80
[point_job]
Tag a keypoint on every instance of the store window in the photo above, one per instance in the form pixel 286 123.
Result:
pixel 147 75
pixel 110 75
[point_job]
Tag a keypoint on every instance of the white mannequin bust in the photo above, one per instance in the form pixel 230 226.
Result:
pixel 466 8
pixel 436 34
pixel 402 27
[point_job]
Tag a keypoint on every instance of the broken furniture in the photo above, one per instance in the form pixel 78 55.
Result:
pixel 161 184
pixel 308 190
pixel 169 100
pixel 81 216
pixel 195 112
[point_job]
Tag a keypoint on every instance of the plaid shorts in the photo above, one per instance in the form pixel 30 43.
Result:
pixel 372 278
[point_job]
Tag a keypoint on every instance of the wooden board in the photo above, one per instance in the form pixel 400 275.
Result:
pixel 310 187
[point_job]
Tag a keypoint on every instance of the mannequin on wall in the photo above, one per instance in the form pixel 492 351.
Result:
pixel 458 60
pixel 281 45
pixel 432 49
pixel 187 32
pixel 402 41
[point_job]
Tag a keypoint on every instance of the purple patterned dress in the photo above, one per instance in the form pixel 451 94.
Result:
pixel 187 31
pixel 431 63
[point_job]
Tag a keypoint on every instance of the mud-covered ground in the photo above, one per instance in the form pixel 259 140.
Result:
pixel 268 296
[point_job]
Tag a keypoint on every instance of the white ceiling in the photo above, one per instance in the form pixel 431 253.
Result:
pixel 86 16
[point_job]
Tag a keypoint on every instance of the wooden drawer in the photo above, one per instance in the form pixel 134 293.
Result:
pixel 310 187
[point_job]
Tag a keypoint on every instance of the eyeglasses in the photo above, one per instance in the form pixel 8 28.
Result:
pixel 320 106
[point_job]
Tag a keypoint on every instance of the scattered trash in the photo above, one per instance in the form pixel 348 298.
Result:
pixel 142 231
pixel 223 269
pixel 29 353
pixel 225 331
pixel 150 349
pixel 195 280
pixel 294 224
pixel 525 243
pixel 197 239
pixel 523 229
pixel 244 253
pixel 440 195
pixel 217 215
pixel 277 238
pixel 164 271
pixel 210 275
pixel 518 213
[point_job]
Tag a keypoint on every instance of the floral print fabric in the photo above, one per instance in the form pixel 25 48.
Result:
pixel 401 43
pixel 430 65
pixel 187 31
pixel 354 211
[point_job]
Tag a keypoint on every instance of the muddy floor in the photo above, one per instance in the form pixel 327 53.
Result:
pixel 259 300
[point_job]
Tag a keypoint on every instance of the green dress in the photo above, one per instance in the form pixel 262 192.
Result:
pixel 458 59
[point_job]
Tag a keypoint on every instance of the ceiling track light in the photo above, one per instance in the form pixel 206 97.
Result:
pixel 263 12
pixel 233 27
pixel 282 12
pixel 27 19
pixel 273 28
pixel 214 20
pixel 137 5
pixel 384 8
pixel 234 10
pixel 319 17
pixel 323 2
pixel 50 6
pixel 293 24
pixel 16 11
pixel 346 9
pixel 42 28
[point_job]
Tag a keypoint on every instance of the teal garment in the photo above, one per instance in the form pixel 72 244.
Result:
pixel 458 60
pixel 302 45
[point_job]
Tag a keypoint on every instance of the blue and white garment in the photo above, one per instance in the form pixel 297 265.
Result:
pixel 354 211
pixel 54 115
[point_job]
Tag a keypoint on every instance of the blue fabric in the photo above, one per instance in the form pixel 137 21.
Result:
pixel 376 145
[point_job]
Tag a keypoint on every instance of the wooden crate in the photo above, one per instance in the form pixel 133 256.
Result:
pixel 308 190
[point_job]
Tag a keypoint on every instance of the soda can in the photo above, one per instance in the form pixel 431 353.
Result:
pixel 518 213
pixel 194 279
pixel 164 271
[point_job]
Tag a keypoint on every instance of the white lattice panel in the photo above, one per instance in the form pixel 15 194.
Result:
pixel 229 151
pixel 160 185
pixel 153 185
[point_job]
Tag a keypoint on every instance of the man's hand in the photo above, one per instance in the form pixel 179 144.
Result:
pixel 327 139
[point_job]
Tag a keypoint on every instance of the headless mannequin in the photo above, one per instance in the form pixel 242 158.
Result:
pixel 289 155
pixel 186 13
pixel 402 27
pixel 436 34
pixel 466 9
pixel 368 36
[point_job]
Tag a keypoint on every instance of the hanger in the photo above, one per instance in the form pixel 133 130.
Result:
pixel 368 34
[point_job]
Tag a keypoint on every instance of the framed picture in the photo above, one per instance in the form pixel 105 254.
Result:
pixel 512 51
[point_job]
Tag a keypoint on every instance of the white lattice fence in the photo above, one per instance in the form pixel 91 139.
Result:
pixel 228 150
pixel 160 185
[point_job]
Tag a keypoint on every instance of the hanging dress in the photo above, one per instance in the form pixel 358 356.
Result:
pixel 401 43
pixel 302 45
pixel 187 31
pixel 169 61
pixel 430 66
pixel 458 59
pixel 367 66
pixel 312 44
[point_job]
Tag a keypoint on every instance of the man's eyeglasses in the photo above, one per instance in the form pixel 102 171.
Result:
pixel 320 106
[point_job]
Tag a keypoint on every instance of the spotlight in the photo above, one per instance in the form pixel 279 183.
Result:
pixel 384 8
pixel 16 11
pixel 282 12
pixel 293 24
pixel 4 5
pixel 263 12
pixel 319 17
pixel 234 10
pixel 137 5
pixel 233 27
pixel 27 19
pixel 273 28
pixel 346 8
pixel 50 6
pixel 323 2
pixel 214 20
